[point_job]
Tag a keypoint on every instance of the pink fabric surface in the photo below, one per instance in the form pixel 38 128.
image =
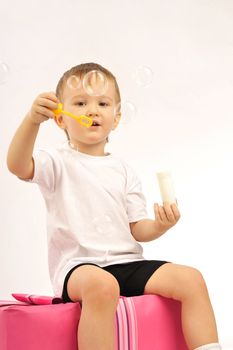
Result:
pixel 147 322
pixel 36 299
pixel 158 323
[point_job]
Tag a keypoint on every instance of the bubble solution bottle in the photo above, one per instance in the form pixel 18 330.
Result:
pixel 166 187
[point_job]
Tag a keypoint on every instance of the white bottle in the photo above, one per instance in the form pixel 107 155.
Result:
pixel 166 187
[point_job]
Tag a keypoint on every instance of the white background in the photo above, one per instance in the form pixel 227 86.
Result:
pixel 183 122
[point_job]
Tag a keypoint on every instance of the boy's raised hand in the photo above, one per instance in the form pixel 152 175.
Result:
pixel 166 216
pixel 42 108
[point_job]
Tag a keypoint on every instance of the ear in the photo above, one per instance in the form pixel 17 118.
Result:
pixel 116 120
pixel 58 118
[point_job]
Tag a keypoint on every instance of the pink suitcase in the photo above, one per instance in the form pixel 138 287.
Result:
pixel 147 322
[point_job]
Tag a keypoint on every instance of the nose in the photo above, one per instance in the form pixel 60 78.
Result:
pixel 92 111
pixel 92 114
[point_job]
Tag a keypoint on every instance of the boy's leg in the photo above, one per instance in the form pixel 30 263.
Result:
pixel 187 285
pixel 99 293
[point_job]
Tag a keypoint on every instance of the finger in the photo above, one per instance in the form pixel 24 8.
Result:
pixel 168 211
pixel 176 211
pixel 45 102
pixel 45 112
pixel 156 210
pixel 50 95
pixel 162 213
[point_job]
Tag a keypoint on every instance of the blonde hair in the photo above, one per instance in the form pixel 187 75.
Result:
pixel 79 71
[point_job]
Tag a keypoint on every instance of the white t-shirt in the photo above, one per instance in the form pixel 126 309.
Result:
pixel 90 202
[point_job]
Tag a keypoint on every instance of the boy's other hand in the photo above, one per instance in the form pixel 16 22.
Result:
pixel 42 108
pixel 166 216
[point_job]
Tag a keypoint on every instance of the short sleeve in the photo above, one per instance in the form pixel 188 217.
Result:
pixel 44 170
pixel 135 199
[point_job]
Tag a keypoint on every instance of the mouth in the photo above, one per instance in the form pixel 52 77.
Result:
pixel 95 124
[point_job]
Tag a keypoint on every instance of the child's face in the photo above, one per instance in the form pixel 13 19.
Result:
pixel 101 109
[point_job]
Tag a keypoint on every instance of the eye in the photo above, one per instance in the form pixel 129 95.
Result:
pixel 80 103
pixel 103 104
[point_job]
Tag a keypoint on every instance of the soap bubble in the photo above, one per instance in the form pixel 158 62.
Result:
pixel 95 83
pixel 4 72
pixel 128 111
pixel 143 76
pixel 74 82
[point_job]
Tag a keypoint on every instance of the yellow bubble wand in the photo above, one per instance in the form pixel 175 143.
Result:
pixel 83 119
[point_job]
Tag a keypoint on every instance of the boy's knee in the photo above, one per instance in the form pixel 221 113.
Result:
pixel 195 282
pixel 102 290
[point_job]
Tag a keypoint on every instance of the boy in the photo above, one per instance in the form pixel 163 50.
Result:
pixel 96 215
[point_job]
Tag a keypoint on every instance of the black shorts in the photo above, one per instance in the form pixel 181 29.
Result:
pixel 132 277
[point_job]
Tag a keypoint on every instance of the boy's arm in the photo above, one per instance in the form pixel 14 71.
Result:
pixel 19 157
pixel 147 230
